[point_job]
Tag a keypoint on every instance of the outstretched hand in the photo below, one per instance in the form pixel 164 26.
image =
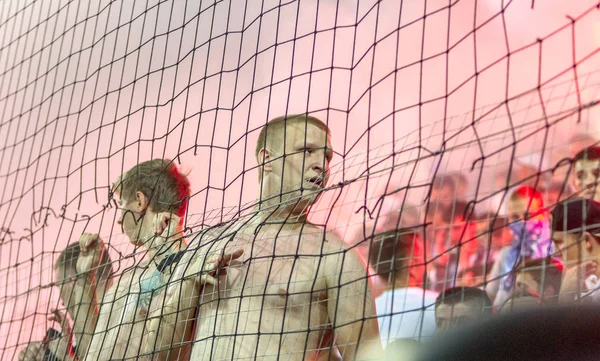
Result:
pixel 165 224
pixel 60 318
pixel 209 268
pixel 91 250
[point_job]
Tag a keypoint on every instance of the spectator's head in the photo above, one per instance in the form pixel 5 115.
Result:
pixel 456 228
pixel 293 153
pixel 586 173
pixel 407 216
pixel 460 306
pixel 443 190
pixel 436 215
pixel 526 203
pixel 460 227
pixel 576 230
pixel 65 272
pixel 149 188
pixel 463 184
pixel 541 277
pixel 529 223
pixel 397 256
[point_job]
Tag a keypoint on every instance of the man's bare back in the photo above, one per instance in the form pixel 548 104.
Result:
pixel 276 300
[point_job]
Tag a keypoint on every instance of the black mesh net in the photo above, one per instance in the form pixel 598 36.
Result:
pixel 440 114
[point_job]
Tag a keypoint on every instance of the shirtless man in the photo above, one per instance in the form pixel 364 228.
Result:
pixel 148 313
pixel 294 282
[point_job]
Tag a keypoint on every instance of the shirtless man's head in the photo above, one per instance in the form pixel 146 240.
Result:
pixel 151 187
pixel 585 176
pixel 293 153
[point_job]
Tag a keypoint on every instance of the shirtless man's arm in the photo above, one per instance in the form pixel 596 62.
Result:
pixel 350 304
pixel 84 306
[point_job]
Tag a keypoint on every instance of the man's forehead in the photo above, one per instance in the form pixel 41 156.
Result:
pixel 309 131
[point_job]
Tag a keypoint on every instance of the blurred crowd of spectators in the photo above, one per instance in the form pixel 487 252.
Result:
pixel 452 265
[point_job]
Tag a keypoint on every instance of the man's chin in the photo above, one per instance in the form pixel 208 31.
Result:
pixel 308 199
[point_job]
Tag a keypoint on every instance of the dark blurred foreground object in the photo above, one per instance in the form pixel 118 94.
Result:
pixel 553 333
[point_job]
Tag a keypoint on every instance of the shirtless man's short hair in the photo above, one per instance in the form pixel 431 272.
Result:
pixel 295 283
pixel 273 132
pixel 160 181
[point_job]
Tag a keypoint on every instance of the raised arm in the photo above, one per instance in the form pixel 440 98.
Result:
pixel 350 306
pixel 83 307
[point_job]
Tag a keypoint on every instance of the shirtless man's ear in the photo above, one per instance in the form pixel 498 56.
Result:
pixel 264 160
pixel 142 202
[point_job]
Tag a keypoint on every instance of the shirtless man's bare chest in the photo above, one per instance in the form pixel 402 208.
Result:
pixel 272 302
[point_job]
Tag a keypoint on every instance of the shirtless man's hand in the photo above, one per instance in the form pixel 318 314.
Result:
pixel 208 267
pixel 165 224
pixel 92 248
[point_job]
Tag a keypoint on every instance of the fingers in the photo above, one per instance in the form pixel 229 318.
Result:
pixel 216 263
pixel 225 259
pixel 57 316
pixel 88 242
pixel 208 279
pixel 211 266
pixel 231 256
pixel 163 220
